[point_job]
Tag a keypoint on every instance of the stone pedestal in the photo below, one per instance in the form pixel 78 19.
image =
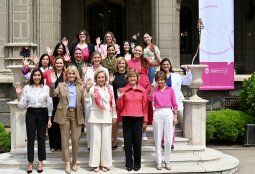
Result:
pixel 18 126
pixel 194 121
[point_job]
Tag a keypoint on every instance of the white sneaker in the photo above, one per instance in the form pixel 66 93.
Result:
pixel 145 138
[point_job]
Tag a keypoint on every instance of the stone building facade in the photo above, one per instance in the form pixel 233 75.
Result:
pixel 172 23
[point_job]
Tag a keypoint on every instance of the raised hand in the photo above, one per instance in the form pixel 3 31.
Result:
pixel 134 37
pixel 117 48
pixel 18 88
pixel 188 69
pixel 98 41
pixel 67 58
pixel 53 77
pixel 152 48
pixel 111 77
pixel 65 41
pixel 25 61
pixel 84 68
pixel 89 84
pixel 35 59
pixel 120 92
pixel 49 50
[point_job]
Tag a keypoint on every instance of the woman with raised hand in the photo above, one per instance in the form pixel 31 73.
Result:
pixel 35 97
pixel 118 81
pixel 59 71
pixel 69 114
pixel 102 115
pixel 175 81
pixel 83 42
pixel 132 104
pixel 142 65
pixel 109 39
pixel 60 50
pixel 88 74
pixel 150 53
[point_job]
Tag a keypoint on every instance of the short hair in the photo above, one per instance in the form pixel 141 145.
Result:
pixel 111 45
pixel 100 70
pixel 132 72
pixel 118 60
pixel 95 53
pixel 31 80
pixel 54 64
pixel 160 74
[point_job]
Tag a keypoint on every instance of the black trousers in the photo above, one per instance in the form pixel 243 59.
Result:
pixel 54 135
pixel 132 131
pixel 36 121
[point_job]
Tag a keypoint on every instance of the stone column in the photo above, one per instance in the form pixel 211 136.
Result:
pixel 18 126
pixel 49 24
pixel 194 121
pixel 166 21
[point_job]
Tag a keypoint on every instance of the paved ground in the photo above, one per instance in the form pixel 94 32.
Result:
pixel 246 156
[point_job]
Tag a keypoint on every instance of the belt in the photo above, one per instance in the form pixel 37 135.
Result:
pixel 71 109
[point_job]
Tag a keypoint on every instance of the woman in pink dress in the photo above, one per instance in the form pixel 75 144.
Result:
pixel 141 65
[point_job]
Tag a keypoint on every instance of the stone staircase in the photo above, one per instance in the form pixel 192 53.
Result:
pixel 185 158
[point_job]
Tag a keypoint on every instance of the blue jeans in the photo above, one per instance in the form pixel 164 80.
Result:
pixel 152 74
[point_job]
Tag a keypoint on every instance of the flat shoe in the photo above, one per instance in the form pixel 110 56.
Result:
pixel 96 169
pixel 114 147
pixel 68 171
pixel 105 169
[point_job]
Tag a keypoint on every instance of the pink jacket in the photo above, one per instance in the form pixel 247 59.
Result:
pixel 133 103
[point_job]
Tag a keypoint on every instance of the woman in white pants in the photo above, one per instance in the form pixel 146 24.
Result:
pixel 165 117
pixel 102 115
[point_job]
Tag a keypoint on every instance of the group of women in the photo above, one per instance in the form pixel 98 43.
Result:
pixel 100 86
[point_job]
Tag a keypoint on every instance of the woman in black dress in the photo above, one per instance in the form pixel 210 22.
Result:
pixel 118 81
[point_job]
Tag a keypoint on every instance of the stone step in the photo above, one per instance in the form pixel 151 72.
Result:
pixel 149 142
pixel 211 161
pixel 83 152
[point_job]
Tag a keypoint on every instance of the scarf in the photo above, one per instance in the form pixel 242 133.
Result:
pixel 169 81
pixel 98 98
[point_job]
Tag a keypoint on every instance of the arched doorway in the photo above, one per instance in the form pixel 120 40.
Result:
pixel 103 16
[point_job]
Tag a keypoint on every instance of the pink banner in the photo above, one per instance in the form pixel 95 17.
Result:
pixel 217 44
pixel 218 76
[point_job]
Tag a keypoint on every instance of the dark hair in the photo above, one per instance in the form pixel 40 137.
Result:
pixel 122 51
pixel 144 43
pixel 41 58
pixel 77 48
pixel 86 33
pixel 166 60
pixel 110 45
pixel 160 74
pixel 55 52
pixel 144 62
pixel 31 80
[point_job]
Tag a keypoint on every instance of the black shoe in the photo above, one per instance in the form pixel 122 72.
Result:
pixel 129 169
pixel 114 147
pixel 29 171
pixel 137 168
pixel 88 149
pixel 39 171
pixel 172 147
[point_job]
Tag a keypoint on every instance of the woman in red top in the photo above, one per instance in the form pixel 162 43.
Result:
pixel 141 65
pixel 133 108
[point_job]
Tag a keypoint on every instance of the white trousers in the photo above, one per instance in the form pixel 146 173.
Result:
pixel 87 105
pixel 163 123
pixel 100 145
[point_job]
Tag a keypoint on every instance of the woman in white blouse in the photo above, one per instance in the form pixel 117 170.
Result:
pixel 35 97
pixel 102 115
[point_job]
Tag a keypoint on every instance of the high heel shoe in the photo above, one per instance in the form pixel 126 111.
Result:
pixel 74 167
pixel 30 171
pixel 114 147
pixel 40 170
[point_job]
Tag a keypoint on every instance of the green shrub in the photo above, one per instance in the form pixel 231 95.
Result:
pixel 5 139
pixel 226 125
pixel 247 96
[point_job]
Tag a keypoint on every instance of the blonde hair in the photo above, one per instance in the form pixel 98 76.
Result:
pixel 113 38
pixel 100 70
pixel 118 60
pixel 76 72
